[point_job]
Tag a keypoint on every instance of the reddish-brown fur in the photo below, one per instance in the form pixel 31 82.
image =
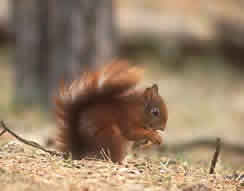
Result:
pixel 103 110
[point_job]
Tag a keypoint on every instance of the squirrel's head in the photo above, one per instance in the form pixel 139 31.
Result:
pixel 156 113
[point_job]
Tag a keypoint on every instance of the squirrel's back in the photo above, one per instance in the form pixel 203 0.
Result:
pixel 96 97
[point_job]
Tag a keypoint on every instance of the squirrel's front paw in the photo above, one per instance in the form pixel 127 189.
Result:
pixel 156 138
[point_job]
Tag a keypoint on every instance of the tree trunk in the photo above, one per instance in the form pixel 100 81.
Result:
pixel 105 32
pixel 55 39
pixel 82 34
pixel 27 52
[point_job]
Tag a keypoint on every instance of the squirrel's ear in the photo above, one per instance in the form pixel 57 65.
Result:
pixel 149 93
pixel 155 89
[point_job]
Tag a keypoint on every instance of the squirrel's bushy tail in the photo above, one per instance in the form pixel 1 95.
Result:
pixel 92 87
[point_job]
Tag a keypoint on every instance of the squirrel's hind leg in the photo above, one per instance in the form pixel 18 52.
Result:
pixel 115 143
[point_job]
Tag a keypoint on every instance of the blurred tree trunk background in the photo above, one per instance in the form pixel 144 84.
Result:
pixel 54 40
pixel 28 51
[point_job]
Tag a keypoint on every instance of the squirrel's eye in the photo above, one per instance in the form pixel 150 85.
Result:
pixel 155 111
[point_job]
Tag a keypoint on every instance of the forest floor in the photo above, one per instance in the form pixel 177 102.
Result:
pixel 24 168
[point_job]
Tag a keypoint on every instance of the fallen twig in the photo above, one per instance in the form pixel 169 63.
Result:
pixel 215 157
pixel 27 142
pixel 4 131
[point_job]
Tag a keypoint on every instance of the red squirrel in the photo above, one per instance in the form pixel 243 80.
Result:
pixel 103 110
